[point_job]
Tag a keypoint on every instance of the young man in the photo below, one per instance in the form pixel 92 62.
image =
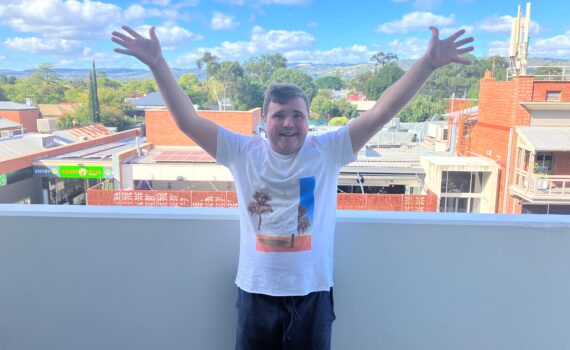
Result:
pixel 287 193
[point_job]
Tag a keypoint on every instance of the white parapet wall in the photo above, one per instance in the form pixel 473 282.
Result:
pixel 83 278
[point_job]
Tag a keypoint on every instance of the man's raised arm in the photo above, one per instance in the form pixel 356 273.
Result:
pixel 204 132
pixel 438 54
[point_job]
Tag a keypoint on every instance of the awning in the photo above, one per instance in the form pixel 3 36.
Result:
pixel 545 138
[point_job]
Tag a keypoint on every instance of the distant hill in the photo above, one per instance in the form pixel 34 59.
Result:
pixel 344 71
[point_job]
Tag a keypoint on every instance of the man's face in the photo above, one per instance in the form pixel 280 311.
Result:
pixel 287 125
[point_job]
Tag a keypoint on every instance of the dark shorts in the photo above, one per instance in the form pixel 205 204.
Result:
pixel 272 323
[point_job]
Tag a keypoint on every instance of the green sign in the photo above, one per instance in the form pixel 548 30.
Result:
pixel 81 172
pixel 3 180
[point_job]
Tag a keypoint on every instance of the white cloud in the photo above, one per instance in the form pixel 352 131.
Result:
pixel 312 24
pixel 503 24
pixel 499 48
pixel 352 55
pixel 134 12
pixel 171 35
pixel 409 48
pixel 60 19
pixel 555 47
pixel 415 20
pixel 66 62
pixel 44 45
pixel 261 41
pixel 222 21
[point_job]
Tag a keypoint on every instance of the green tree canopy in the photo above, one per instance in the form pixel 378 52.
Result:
pixel 259 69
pixel 338 121
pixel 422 108
pixel 193 88
pixel 329 82
pixel 297 77
pixel 386 76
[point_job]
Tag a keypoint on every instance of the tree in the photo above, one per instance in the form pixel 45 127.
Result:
pixel 422 108
pixel 210 61
pixel 359 82
pixel 248 94
pixel 338 121
pixel 296 77
pixel 223 82
pixel 325 107
pixel 192 87
pixel 386 76
pixel 94 112
pixel 260 69
pixel 329 82
pixel 380 59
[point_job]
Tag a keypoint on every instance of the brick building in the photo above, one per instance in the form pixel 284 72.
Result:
pixel 22 114
pixel 524 126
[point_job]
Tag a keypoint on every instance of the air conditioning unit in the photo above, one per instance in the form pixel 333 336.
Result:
pixel 46 125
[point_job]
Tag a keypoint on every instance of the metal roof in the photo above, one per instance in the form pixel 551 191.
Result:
pixel 95 153
pixel 545 138
pixel 153 99
pixel 11 106
pixel 22 145
pixel 7 123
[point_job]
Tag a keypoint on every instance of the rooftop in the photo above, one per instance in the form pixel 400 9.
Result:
pixel 11 106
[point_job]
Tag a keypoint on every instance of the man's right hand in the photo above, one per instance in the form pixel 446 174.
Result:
pixel 147 51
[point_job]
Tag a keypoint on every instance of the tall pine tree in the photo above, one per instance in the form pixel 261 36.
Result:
pixel 94 113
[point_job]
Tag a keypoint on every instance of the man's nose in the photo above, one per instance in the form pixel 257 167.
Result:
pixel 288 121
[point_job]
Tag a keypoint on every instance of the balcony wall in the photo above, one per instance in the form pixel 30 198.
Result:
pixel 162 278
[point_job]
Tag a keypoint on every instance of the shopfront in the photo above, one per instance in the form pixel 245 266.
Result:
pixel 67 183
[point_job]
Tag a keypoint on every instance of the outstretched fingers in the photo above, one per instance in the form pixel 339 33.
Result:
pixel 132 32
pixel 456 35
pixel 464 41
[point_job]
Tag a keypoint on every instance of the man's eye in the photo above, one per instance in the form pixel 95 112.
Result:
pixel 298 116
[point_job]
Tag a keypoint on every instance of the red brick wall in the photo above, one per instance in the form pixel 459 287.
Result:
pixel 27 117
pixel 161 130
pixel 541 87
pixel 561 164
pixel 16 163
pixel 499 111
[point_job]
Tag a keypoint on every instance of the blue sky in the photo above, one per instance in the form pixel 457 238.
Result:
pixel 70 33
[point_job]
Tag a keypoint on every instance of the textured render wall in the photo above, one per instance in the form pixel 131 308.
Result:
pixel 162 278
pixel 161 130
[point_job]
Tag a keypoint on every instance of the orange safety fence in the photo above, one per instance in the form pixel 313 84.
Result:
pixel 213 199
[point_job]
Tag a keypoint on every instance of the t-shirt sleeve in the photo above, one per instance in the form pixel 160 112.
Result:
pixel 337 144
pixel 230 146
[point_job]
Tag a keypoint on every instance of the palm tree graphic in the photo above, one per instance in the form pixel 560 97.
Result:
pixel 261 205
pixel 302 223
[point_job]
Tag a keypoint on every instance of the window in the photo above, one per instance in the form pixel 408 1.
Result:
pixel 543 163
pixel 552 96
pixel 461 182
pixel 459 205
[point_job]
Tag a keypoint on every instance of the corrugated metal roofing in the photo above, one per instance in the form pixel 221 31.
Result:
pixel 546 138
pixel 7 123
pixel 11 106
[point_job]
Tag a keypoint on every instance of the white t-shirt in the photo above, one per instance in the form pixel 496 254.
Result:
pixel 287 206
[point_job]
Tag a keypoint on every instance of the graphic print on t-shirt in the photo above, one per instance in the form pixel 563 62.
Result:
pixel 282 226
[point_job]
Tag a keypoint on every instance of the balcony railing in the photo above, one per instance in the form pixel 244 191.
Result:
pixel 91 278
pixel 541 187
pixel 556 73
pixel 221 199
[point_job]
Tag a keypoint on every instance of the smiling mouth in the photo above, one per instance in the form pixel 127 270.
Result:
pixel 288 135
